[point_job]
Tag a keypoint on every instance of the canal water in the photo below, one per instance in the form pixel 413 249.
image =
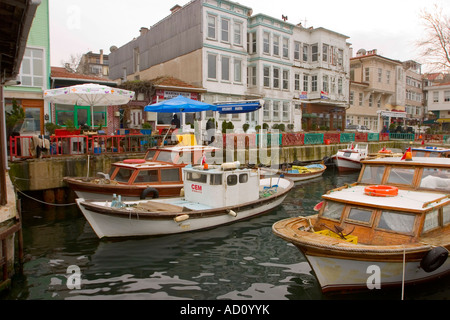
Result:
pixel 242 261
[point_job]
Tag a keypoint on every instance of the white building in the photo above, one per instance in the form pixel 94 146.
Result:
pixel 439 103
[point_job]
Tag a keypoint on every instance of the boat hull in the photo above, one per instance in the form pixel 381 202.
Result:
pixel 296 177
pixel 89 190
pixel 347 163
pixel 338 274
pixel 106 222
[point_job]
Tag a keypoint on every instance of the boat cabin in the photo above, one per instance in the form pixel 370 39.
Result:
pixel 221 185
pixel 373 220
pixel 146 173
pixel 420 173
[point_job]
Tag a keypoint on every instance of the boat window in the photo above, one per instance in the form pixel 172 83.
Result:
pixel 446 215
pixel 436 178
pixel 123 175
pixel 396 221
pixel 150 154
pixel 165 157
pixel 431 220
pixel 215 179
pixel 333 210
pixel 420 154
pixel 435 154
pixel 147 176
pixel 372 174
pixel 170 175
pixel 401 176
pixel 361 215
pixel 196 177
pixel 111 171
pixel 232 180
pixel 243 178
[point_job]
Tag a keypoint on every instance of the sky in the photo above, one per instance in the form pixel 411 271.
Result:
pixel 393 27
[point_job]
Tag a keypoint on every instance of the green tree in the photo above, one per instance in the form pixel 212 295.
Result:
pixel 14 117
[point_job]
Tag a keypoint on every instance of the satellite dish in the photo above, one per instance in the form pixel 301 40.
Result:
pixel 361 52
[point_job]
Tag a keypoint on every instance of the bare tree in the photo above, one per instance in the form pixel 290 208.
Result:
pixel 73 63
pixel 435 46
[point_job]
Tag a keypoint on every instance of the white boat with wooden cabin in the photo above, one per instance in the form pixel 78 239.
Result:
pixel 221 194
pixel 391 228
pixel 430 151
pixel 349 159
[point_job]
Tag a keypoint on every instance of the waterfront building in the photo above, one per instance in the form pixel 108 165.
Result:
pixel 34 75
pixel 377 90
pixel 234 55
pixel 438 102
pixel 414 99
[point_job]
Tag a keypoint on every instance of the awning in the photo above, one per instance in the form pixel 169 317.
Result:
pixel 238 106
pixel 443 120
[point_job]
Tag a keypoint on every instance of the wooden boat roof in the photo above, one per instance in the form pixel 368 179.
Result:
pixel 147 165
pixel 406 200
pixel 416 161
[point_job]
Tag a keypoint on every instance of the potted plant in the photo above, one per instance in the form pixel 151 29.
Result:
pixel 146 128
pixel 245 127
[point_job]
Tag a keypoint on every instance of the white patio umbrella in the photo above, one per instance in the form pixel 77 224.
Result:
pixel 89 94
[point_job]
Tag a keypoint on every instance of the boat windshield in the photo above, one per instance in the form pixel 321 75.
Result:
pixel 333 210
pixel 123 175
pixel 398 175
pixel 166 156
pixel 396 221
pixel 372 174
pixel 436 178
pixel 150 154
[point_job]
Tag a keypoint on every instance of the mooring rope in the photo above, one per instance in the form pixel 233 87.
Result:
pixel 47 203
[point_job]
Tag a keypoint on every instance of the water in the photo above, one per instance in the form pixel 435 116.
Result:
pixel 242 261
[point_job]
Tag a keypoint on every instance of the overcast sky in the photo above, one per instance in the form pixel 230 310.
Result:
pixel 391 26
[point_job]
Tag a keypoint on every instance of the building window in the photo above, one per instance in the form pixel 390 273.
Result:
pixel 285 79
pixel 366 74
pixel 266 76
pixel 297 82
pixel 297 46
pixel 253 75
pixel 225 30
pixel 225 68
pixel 285 48
pixel 340 84
pixel 370 100
pixel 313 83
pixel 276 111
pixel 314 52
pixel 276 45
pixel 266 111
pixel 340 58
pixel 32 69
pixel 211 27
pixel 254 44
pixel 286 111
pixel 380 74
pixel 361 98
pixel 266 43
pixel 435 96
pixel 276 78
pixel 351 97
pixel 238 33
pixel 305 83
pixel 212 66
pixel 324 52
pixel 325 83
pixel 305 53
pixel 447 96
pixel 237 70
pixel 388 76
pixel 379 103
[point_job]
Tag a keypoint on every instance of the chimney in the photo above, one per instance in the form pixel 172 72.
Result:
pixel 101 56
pixel 175 8
pixel 143 30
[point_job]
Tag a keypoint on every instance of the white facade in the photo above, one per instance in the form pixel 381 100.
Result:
pixel 439 102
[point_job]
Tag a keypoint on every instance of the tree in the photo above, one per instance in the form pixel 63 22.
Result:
pixel 436 45
pixel 14 117
pixel 73 63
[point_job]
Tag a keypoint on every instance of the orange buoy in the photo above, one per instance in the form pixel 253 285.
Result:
pixel 381 191
pixel 134 161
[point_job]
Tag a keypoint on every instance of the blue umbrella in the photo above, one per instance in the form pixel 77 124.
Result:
pixel 179 104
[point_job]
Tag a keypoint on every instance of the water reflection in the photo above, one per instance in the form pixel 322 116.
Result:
pixel 242 261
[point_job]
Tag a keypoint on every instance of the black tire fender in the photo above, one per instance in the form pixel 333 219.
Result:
pixel 146 191
pixel 433 259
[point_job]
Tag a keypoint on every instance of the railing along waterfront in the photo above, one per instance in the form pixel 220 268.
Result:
pixel 27 147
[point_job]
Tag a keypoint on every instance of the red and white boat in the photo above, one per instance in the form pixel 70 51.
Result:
pixel 349 159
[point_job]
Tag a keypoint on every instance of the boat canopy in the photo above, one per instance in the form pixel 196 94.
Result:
pixel 238 106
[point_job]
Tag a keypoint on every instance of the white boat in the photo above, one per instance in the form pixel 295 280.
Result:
pixel 372 236
pixel 430 151
pixel 349 159
pixel 215 196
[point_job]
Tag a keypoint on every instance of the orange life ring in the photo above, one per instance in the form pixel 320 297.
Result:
pixel 381 191
pixel 385 151
pixel 134 161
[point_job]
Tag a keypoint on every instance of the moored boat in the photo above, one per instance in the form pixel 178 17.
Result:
pixel 158 174
pixel 390 228
pixel 215 196
pixel 349 159
pixel 430 151
pixel 297 173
